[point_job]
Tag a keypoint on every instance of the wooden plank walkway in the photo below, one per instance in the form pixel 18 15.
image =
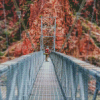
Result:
pixel 46 86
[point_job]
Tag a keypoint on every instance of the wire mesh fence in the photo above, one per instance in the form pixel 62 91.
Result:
pixel 78 80
pixel 18 76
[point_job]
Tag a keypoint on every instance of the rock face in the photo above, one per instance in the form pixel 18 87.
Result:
pixel 79 44
pixel 88 9
pixel 12 25
pixel 9 8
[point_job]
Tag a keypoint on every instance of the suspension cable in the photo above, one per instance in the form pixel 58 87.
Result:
pixel 90 15
pixel 6 27
pixel 21 20
pixel 90 29
pixel 68 35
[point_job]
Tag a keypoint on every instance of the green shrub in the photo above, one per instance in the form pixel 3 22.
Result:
pixel 86 21
pixel 5 43
pixel 95 23
pixel 6 33
pixel 29 2
pixel 83 31
pixel 1 54
pixel 98 44
pixel 97 27
pixel 87 29
pixel 40 16
pixel 26 7
pixel 56 25
pixel 74 13
pixel 17 23
pixel 70 14
pixel 87 18
pixel 94 38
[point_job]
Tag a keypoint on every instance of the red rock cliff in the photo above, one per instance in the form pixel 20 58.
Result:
pixel 79 44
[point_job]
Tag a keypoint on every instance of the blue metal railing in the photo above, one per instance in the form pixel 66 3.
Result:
pixel 78 80
pixel 18 76
pixel 75 77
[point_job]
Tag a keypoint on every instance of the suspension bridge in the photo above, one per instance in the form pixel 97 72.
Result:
pixel 63 77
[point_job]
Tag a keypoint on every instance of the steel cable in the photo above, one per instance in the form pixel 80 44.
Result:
pixel 90 29
pixel 6 27
pixel 21 20
pixel 68 35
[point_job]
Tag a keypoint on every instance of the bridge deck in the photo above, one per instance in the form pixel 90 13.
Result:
pixel 46 86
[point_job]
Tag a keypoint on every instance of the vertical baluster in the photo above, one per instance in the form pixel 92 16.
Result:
pixel 57 66
pixel 32 70
pixel 83 80
pixel 29 77
pixel 61 69
pixel 22 82
pixel 64 78
pixel 0 95
pixel 73 82
pixel 9 79
pixel 96 90
pixel 64 75
pixel 68 80
pixel 77 79
pixel 11 95
pixel 86 77
pixel 95 94
pixel 34 65
pixel 26 80
pixel 19 77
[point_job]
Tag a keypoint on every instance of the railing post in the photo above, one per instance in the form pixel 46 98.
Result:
pixel 22 82
pixel 9 79
pixel 73 82
pixel 0 95
pixel 60 70
pixel 19 77
pixel 13 84
pixel 26 80
pixel 64 75
pixel 96 90
pixel 68 81
pixel 83 80
pixel 95 94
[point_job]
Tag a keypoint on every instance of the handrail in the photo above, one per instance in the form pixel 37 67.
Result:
pixel 74 74
pixel 18 76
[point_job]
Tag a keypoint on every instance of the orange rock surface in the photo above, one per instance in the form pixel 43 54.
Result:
pixel 79 43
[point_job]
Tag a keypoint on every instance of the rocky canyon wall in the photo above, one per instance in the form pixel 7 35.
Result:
pixel 79 44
